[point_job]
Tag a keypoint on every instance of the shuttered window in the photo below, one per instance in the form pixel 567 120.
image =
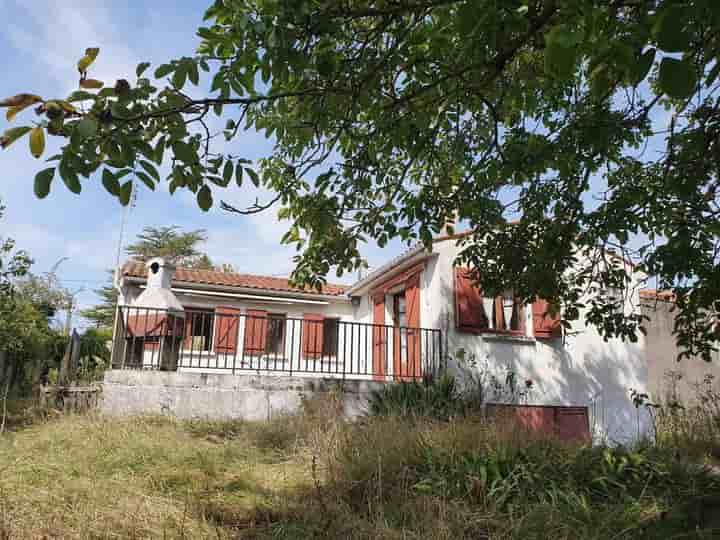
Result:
pixel 256 331
pixel 312 335
pixel 475 313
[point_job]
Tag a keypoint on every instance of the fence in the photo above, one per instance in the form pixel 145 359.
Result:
pixel 228 341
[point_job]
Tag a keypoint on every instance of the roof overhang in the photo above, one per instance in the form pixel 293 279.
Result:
pixel 408 259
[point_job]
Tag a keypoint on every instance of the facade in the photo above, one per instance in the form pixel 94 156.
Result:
pixel 402 322
pixel 567 368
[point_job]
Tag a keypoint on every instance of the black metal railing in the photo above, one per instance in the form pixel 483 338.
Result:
pixel 229 341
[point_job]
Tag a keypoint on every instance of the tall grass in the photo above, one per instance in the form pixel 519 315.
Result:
pixel 313 475
pixel 690 428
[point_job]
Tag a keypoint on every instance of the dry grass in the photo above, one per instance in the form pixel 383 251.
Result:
pixel 80 477
pixel 313 476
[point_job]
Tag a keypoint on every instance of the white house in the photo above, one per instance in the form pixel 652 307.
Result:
pixel 401 322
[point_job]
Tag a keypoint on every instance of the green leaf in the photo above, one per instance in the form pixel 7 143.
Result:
pixel 37 141
pixel 110 183
pixel 163 70
pixel 80 95
pixel 145 180
pixel 560 60
pixel 239 176
pixel 677 78
pixel 204 198
pixel 227 172
pixel 125 193
pixel 150 168
pixel 70 178
pixel 179 77
pixel 43 179
pixel 669 30
pixel 159 151
pixel 192 73
pixel 184 152
pixel 119 111
pixel 642 66
pixel 87 127
pixel 141 68
pixel 13 134
pixel 253 176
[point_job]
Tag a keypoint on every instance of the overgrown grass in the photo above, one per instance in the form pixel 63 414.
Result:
pixel 314 476
pixel 692 428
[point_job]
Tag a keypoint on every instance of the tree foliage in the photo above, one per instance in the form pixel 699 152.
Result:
pixel 177 246
pixel 102 314
pixel 594 124
pixel 26 339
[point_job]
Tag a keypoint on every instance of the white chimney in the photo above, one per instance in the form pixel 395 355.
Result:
pixel 158 293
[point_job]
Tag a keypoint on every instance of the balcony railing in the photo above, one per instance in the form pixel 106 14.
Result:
pixel 230 342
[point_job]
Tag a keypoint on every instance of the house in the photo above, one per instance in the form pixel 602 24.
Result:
pixel 405 320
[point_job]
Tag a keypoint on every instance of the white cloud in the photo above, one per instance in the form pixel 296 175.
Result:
pixel 57 34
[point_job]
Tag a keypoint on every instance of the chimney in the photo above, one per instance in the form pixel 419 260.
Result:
pixel 156 320
pixel 158 293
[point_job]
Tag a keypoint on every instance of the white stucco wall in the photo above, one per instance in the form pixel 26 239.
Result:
pixel 579 369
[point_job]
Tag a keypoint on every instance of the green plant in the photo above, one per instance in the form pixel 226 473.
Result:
pixel 432 398
pixel 690 429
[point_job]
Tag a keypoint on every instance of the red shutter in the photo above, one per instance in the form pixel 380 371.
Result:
pixel 226 329
pixel 312 335
pixel 412 305
pixel 469 313
pixel 256 329
pixel 544 324
pixel 379 337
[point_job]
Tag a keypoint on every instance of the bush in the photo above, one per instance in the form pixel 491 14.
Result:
pixel 479 468
pixel 433 398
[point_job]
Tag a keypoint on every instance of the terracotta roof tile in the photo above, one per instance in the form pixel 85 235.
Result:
pixel 211 277
pixel 653 294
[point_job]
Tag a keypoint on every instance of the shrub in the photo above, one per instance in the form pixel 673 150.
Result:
pixel 433 398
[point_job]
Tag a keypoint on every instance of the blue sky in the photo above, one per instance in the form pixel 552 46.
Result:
pixel 41 43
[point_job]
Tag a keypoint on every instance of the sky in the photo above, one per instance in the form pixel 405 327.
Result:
pixel 41 43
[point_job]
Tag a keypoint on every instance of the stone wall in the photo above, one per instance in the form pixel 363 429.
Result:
pixel 219 396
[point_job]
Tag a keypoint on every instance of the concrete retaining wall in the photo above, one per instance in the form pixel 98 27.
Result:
pixel 218 396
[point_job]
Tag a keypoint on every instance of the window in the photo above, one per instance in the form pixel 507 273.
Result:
pixel 477 313
pixel 199 329
pixel 330 337
pixel 275 343
pixel 507 313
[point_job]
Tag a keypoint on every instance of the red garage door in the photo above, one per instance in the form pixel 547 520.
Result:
pixel 567 423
